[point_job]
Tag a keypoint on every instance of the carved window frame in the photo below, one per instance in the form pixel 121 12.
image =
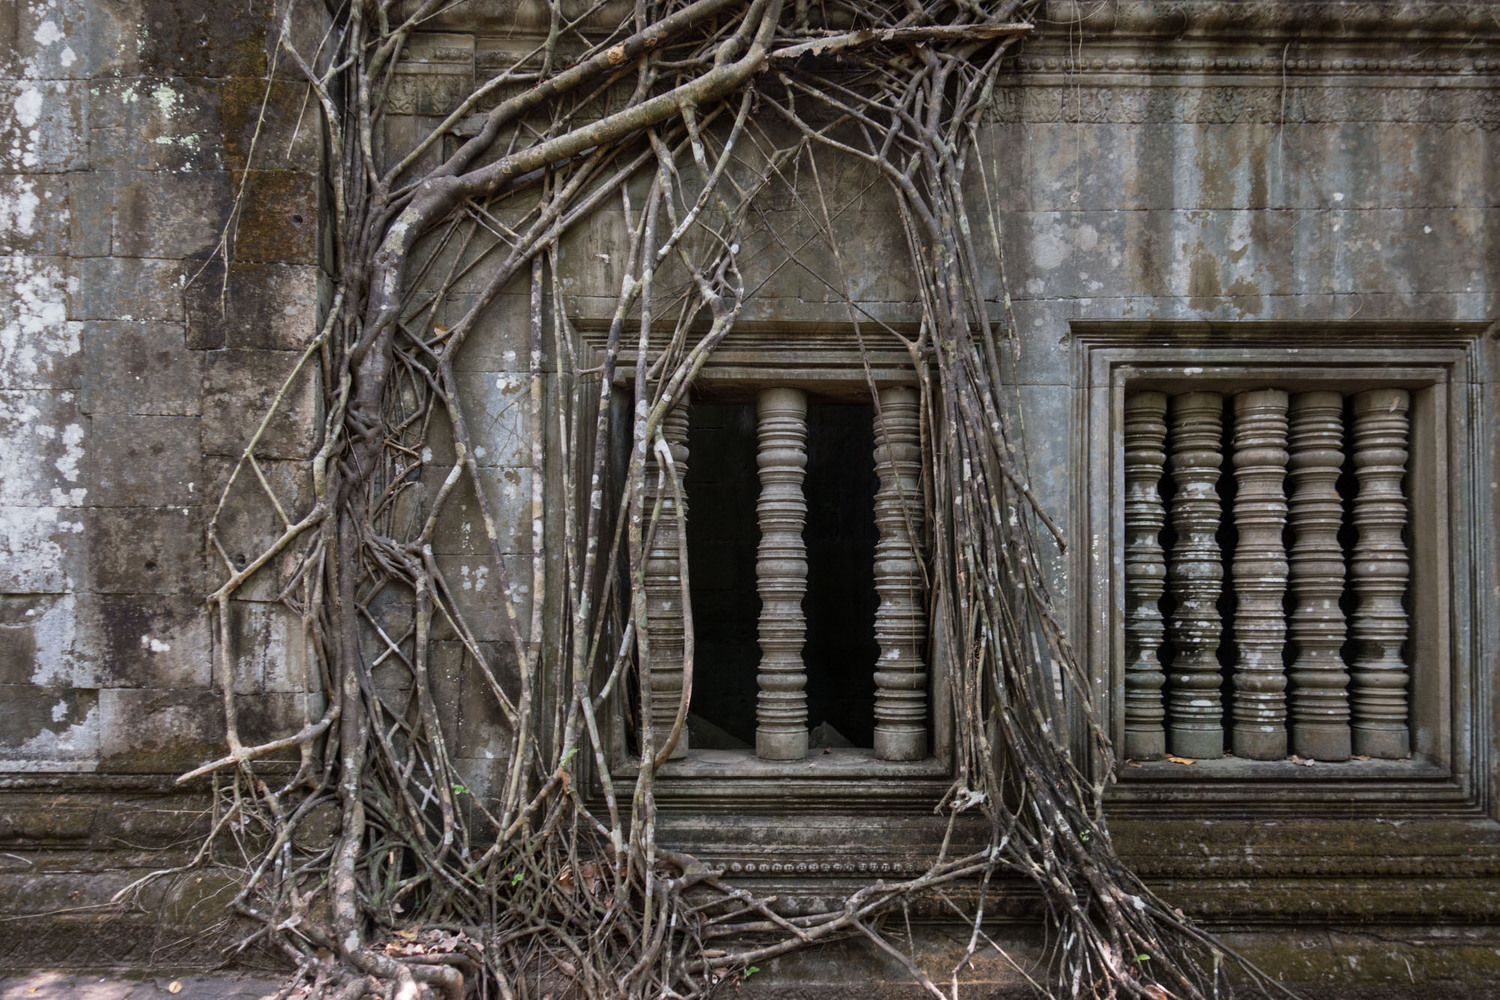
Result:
pixel 1451 535
pixel 829 362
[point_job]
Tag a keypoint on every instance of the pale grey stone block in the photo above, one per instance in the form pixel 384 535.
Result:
pixel 239 388
pixel 145 461
pixel 49 728
pixel 145 550
pixel 126 288
pixel 139 368
pixel 145 641
pixel 47 129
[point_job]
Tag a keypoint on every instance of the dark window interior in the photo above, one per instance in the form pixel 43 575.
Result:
pixel 840 652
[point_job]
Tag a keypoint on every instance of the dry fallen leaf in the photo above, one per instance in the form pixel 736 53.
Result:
pixel 1180 760
pixel 1302 761
pixel 1133 763
pixel 591 876
pixel 174 987
pixel 1360 756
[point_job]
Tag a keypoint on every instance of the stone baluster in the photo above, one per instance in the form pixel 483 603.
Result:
pixel 1378 574
pixel 663 582
pixel 1259 571
pixel 781 575
pixel 901 618
pixel 1145 575
pixel 1196 573
pixel 1319 698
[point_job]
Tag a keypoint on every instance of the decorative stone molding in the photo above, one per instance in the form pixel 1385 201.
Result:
pixel 1378 573
pixel 1319 683
pixel 901 617
pixel 1130 99
pixel 761 866
pixel 1259 572
pixel 1269 19
pixel 663 582
pixel 781 575
pixel 1145 433
pixel 1434 460
pixel 1095 20
pixel 1196 572
pixel 1259 65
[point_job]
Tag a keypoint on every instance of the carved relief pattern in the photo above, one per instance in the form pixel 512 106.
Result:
pixel 781 575
pixel 1196 572
pixel 431 93
pixel 1071 20
pixel 663 582
pixel 1145 575
pixel 1378 575
pixel 1319 683
pixel 901 617
pixel 1259 573
pixel 1063 99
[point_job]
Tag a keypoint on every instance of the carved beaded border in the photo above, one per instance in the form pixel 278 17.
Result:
pixel 763 867
pixel 1267 65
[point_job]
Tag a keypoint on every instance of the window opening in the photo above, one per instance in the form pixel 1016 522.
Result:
pixel 839 650
pixel 722 538
pixel 807 594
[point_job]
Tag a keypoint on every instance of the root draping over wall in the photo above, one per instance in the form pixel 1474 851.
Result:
pixel 370 863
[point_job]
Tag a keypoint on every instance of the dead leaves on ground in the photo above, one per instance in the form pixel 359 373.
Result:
pixel 589 875
pixel 412 942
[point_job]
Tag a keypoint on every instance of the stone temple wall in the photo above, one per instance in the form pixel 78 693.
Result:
pixel 1185 169
pixel 131 375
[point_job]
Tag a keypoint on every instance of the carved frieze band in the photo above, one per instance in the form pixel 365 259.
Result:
pixel 1196 573
pixel 1264 19
pixel 1319 682
pixel 1129 61
pixel 1257 91
pixel 901 615
pixel 663 581
pixel 1074 20
pixel 1145 575
pixel 1166 100
pixel 781 575
pixel 1378 574
pixel 1259 572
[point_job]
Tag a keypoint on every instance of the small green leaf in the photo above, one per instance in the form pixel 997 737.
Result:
pixel 517 878
pixel 459 789
pixel 567 757
pixel 751 970
pixel 1143 958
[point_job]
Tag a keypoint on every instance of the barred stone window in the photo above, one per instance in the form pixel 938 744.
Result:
pixel 1284 522
pixel 812 512
pixel 1257 656
pixel 797 456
